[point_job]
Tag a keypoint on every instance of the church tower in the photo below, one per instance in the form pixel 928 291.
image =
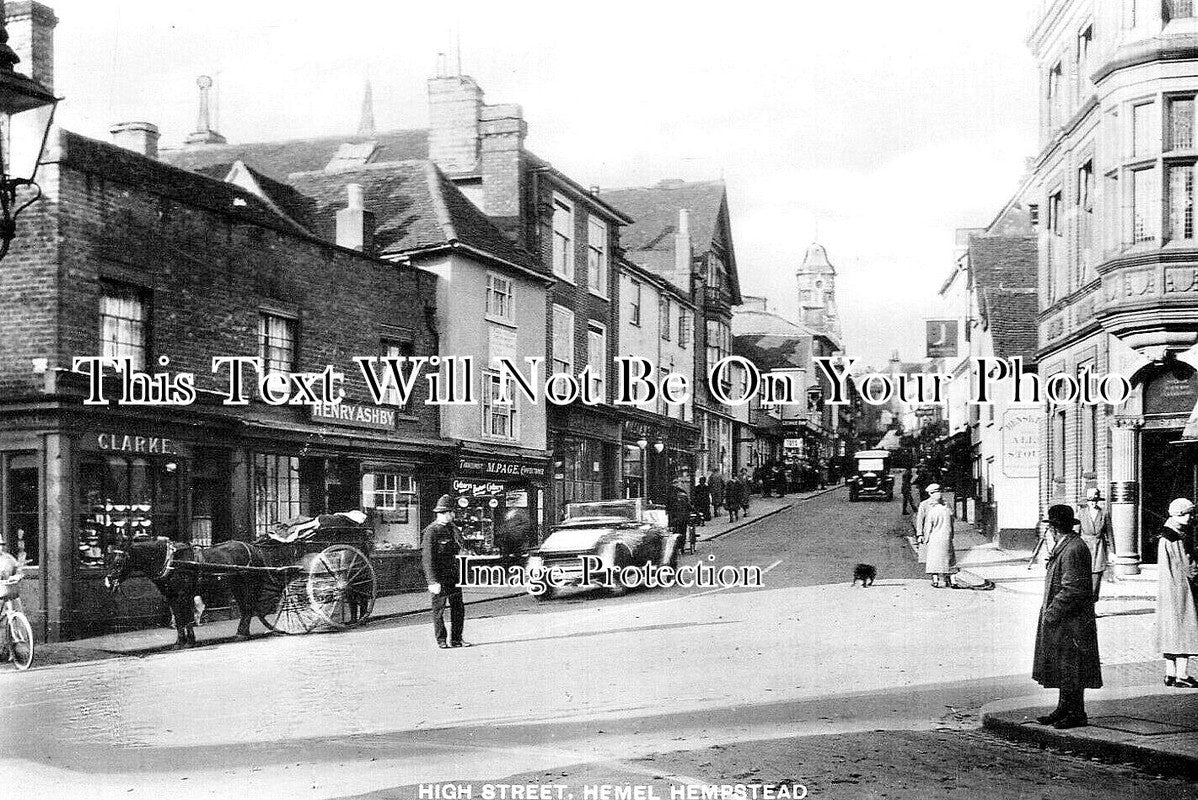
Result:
pixel 816 278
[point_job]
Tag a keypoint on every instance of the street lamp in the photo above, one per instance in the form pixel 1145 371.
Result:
pixel 26 115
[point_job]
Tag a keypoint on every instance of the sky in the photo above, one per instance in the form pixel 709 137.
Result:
pixel 878 127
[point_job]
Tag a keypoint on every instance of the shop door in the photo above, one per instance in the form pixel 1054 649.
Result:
pixel 1168 471
pixel 210 507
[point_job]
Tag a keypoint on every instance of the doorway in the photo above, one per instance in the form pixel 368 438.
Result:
pixel 1168 471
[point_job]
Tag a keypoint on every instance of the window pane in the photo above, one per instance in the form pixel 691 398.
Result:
pixel 1181 123
pixel 1143 129
pixel 122 324
pixel 276 343
pixel 1145 189
pixel 1181 202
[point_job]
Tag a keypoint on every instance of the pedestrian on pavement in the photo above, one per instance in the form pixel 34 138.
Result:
pixel 1176 616
pixel 716 483
pixel 908 500
pixel 10 567
pixel 701 500
pixel 746 486
pixel 1096 533
pixel 934 525
pixel 733 489
pixel 440 544
pixel 678 510
pixel 1066 656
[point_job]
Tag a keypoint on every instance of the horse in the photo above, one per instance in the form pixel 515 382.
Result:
pixel 156 559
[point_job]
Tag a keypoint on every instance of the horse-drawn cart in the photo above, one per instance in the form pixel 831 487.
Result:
pixel 309 574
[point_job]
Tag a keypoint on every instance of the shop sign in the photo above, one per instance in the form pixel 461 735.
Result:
pixel 1170 395
pixel 145 445
pixel 477 489
pixel 792 444
pixel 1021 432
pixel 357 415
pixel 500 467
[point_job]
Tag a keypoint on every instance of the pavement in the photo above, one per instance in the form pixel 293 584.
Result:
pixel 155 640
pixel 1150 725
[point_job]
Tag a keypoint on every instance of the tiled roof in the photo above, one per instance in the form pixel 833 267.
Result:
pixel 1004 262
pixel 748 321
pixel 280 159
pixel 415 206
pixel 774 352
pixel 1010 314
pixel 192 188
pixel 655 209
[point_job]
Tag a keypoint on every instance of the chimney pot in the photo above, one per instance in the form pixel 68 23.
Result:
pixel 140 137
pixel 356 196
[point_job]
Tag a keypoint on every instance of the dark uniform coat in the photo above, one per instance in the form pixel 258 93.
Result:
pixel 1067 634
pixel 439 548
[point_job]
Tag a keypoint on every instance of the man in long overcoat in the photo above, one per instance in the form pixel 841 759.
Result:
pixel 1096 533
pixel 440 545
pixel 1067 634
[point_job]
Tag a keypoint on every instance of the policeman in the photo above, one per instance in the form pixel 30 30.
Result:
pixel 440 545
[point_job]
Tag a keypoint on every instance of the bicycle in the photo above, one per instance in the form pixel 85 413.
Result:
pixel 20 633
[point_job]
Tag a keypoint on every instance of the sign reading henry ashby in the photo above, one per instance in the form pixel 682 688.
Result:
pixel 357 415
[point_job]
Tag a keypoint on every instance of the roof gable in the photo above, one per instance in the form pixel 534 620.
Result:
pixel 1010 316
pixel 1003 262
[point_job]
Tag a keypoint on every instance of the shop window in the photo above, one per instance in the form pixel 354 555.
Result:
pixel 276 490
pixel 123 497
pixel 276 343
pixel 392 499
pixel 22 529
pixel 123 318
pixel 583 468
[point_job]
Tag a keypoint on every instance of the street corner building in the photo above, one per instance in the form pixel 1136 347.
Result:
pixel 1112 195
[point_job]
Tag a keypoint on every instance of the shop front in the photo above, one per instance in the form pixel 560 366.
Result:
pixel 654 453
pixel 500 502
pixel 587 457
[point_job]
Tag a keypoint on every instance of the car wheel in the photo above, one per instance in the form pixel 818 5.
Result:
pixel 622 559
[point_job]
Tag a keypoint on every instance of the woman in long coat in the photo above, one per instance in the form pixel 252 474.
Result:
pixel 1176 617
pixel 1067 633
pixel 934 524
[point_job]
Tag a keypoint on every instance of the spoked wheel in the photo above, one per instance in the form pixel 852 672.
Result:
pixel 294 613
pixel 341 586
pixel 20 640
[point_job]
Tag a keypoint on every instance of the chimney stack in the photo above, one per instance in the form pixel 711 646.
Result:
pixel 355 225
pixel 454 104
pixel 682 251
pixel 30 29
pixel 140 137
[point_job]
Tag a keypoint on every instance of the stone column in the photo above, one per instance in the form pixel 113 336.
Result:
pixel 1125 496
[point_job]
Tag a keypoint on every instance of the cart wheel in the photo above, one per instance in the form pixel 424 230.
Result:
pixel 341 586
pixel 20 640
pixel 294 613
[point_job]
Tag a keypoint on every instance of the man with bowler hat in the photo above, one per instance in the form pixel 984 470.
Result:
pixel 1067 634
pixel 440 545
pixel 1096 533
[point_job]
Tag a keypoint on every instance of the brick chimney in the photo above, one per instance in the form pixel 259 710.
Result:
pixel 31 35
pixel 355 225
pixel 140 137
pixel 454 105
pixel 503 130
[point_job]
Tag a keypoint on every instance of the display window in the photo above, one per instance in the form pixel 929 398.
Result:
pixel 393 501
pixel 22 518
pixel 124 496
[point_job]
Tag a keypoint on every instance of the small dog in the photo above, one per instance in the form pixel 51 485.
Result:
pixel 866 573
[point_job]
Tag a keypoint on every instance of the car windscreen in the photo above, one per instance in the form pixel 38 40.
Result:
pixel 618 508
pixel 871 465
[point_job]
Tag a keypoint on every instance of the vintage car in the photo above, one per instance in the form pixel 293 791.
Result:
pixel 619 533
pixel 871 478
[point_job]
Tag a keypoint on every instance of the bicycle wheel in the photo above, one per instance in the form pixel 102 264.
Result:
pixel 20 640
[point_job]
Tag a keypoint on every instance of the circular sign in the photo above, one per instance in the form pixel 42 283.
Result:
pixel 463 502
pixel 493 503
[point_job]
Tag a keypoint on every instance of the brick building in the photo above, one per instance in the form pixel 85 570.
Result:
pixel 130 258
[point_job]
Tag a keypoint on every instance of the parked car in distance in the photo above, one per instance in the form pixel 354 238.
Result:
pixel 871 479
pixel 619 533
